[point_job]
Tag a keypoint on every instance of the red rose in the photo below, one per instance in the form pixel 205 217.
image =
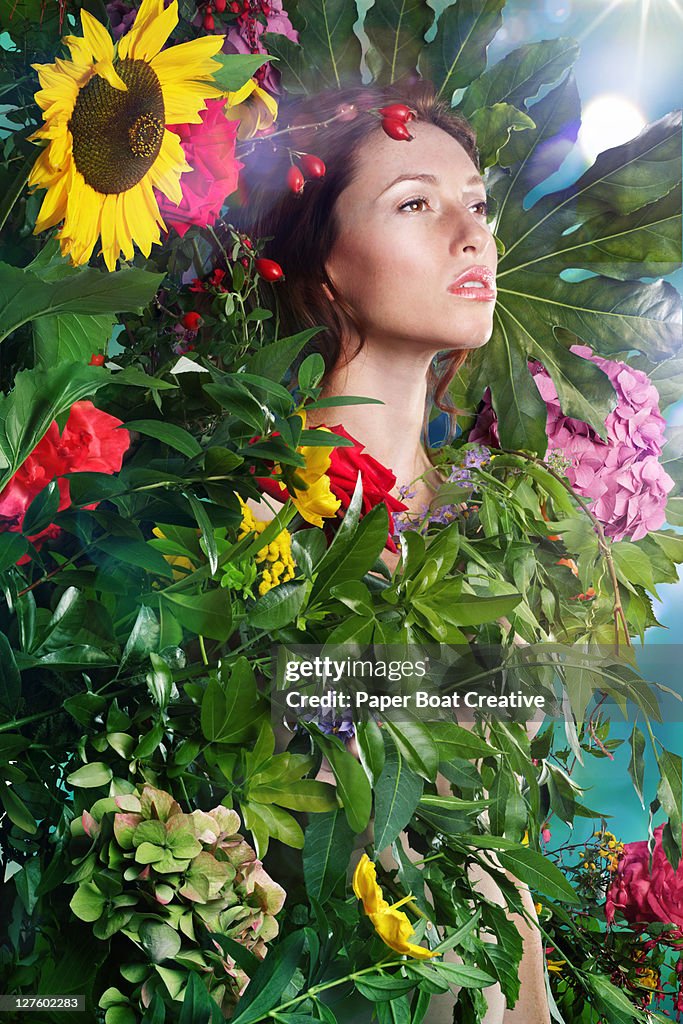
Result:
pixel 645 895
pixel 345 464
pixel 91 441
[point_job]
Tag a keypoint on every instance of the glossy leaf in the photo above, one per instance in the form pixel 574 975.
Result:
pixel 397 794
pixel 457 54
pixel 327 851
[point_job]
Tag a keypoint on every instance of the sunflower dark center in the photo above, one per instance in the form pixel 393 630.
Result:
pixel 117 135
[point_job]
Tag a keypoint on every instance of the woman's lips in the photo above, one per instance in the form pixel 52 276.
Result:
pixel 476 283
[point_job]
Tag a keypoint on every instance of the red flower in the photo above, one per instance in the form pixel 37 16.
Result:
pixel 345 463
pixel 209 149
pixel 91 441
pixel 645 895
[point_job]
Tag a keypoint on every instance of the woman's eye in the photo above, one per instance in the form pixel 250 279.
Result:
pixel 481 208
pixel 412 202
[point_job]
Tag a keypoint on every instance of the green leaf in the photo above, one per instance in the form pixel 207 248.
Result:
pixel 279 606
pixel 274 360
pixel 493 126
pixel 270 980
pixel 520 75
pixel 236 69
pixel 538 872
pixel 413 740
pixel 24 296
pixel 670 791
pixel 397 794
pixel 204 523
pixel 454 741
pixel 90 776
pixel 332 50
pixel 611 1001
pixel 352 784
pixel 457 54
pixel 370 748
pixel 10 679
pixel 12 547
pixel 229 704
pixel 328 842
pixel 17 811
pixel 159 941
pixel 169 433
pixel 458 974
pixel 395 31
pixel 636 763
pixel 88 902
pixel 137 553
pixel 69 338
pixel 206 614
pixel 198 1005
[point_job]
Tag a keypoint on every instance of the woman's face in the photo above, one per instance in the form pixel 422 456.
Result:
pixel 415 257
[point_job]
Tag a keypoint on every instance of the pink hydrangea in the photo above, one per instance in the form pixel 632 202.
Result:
pixel 621 475
pixel 209 149
pixel 245 35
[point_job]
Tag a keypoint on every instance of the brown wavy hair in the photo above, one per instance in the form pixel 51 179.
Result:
pixel 301 230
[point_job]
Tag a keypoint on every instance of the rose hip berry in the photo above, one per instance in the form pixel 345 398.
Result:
pixel 397 112
pixel 96 359
pixel 312 166
pixel 295 180
pixel 209 23
pixel 220 5
pixel 396 129
pixel 269 269
pixel 191 321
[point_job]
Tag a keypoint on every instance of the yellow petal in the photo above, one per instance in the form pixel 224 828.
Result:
pixel 168 166
pixel 237 97
pixel 98 39
pixel 110 245
pixel 106 70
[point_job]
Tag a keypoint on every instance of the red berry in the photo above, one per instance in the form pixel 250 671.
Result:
pixel 248 244
pixel 396 129
pixel 312 166
pixel 220 5
pixel 295 180
pixel 269 269
pixel 235 7
pixel 209 23
pixel 244 261
pixel 397 112
pixel 191 321
pixel 96 359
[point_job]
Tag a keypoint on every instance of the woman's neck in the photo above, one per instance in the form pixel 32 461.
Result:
pixel 392 432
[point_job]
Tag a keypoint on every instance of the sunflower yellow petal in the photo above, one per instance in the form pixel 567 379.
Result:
pixel 105 69
pixel 168 166
pixel 110 245
pixel 152 27
pixel 96 36
pixel 54 205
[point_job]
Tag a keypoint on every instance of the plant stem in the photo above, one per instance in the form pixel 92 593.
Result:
pixel 315 989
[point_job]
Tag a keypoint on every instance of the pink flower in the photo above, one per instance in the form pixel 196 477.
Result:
pixel 644 895
pixel 245 36
pixel 209 149
pixel 90 441
pixel 621 475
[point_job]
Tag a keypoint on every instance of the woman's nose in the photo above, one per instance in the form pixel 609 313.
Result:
pixel 470 233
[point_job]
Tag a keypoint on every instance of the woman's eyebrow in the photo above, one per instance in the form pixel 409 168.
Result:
pixel 430 179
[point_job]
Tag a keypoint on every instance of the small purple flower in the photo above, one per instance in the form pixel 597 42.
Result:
pixel 342 727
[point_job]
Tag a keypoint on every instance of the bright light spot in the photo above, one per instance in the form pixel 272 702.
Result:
pixel 607 121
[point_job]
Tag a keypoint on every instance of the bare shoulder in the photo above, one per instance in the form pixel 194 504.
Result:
pixel 263 510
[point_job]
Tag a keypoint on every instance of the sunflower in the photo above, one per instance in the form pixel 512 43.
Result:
pixel 105 114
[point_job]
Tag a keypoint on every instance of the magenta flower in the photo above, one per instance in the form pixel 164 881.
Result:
pixel 245 36
pixel 209 148
pixel 621 475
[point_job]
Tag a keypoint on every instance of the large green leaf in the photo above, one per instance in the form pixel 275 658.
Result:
pixel 397 794
pixel 395 30
pixel 331 48
pixel 69 338
pixel 457 54
pixel 24 295
pixel 541 312
pixel 519 76
pixel 327 852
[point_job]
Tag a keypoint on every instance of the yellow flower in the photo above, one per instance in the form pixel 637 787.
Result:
pixel 315 501
pixel 556 966
pixel 391 924
pixel 179 562
pixel 647 977
pixel 276 557
pixel 105 112
pixel 253 107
